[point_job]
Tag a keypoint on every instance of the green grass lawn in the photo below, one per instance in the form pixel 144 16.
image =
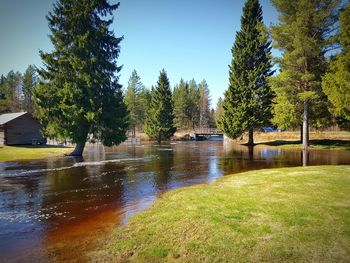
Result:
pixel 15 153
pixel 314 144
pixel 279 215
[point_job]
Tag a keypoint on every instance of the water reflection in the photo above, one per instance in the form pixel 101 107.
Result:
pixel 59 206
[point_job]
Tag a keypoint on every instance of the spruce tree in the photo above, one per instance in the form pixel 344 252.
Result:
pixel 248 100
pixel 133 101
pixel 219 111
pixel 304 34
pixel 79 93
pixel 160 119
pixel 145 101
pixel 336 82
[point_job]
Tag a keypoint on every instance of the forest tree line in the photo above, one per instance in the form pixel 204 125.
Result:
pixel 16 90
pixel 191 104
pixel 191 101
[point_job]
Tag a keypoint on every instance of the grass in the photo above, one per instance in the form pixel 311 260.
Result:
pixel 295 135
pixel 315 144
pixel 327 140
pixel 15 153
pixel 278 215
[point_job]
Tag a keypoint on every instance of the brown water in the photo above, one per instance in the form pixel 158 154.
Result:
pixel 57 208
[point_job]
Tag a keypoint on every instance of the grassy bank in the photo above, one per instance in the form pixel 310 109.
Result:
pixel 295 136
pixel 314 144
pixel 15 153
pixel 327 140
pixel 278 215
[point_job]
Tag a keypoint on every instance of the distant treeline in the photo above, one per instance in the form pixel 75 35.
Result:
pixel 191 104
pixel 16 90
pixel 191 101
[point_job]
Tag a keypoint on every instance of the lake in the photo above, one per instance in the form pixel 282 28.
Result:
pixel 58 207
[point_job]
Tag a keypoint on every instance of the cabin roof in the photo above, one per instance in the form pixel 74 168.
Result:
pixel 7 117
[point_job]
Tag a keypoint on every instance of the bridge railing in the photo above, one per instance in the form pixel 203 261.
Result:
pixel 207 131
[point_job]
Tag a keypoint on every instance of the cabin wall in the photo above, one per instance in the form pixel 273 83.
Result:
pixel 23 130
pixel 2 135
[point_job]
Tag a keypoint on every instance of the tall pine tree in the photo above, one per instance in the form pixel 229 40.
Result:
pixel 304 34
pixel 160 118
pixel 248 100
pixel 80 94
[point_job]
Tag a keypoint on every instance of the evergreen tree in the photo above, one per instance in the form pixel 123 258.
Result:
pixel 133 102
pixel 13 92
pixel 204 104
pixel 247 102
pixel 182 105
pixel 79 93
pixel 219 110
pixel 212 122
pixel 288 110
pixel 304 35
pixel 336 82
pixel 145 101
pixel 191 104
pixel 30 80
pixel 194 104
pixel 286 115
pixel 160 118
pixel 4 101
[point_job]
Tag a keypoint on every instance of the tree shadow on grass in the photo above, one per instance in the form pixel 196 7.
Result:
pixel 279 143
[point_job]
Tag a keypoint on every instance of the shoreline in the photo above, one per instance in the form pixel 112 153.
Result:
pixel 273 205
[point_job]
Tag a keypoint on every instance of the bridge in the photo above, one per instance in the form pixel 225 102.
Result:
pixel 203 133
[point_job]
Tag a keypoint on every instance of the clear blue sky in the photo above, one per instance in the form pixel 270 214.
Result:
pixel 188 38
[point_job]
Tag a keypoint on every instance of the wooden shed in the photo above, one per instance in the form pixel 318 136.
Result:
pixel 20 128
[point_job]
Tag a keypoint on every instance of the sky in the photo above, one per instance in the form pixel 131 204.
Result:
pixel 189 39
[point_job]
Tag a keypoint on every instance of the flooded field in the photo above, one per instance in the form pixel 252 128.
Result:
pixel 57 208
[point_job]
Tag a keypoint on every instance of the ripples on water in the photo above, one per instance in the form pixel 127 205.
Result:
pixel 47 207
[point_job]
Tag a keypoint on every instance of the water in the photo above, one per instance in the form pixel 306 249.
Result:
pixel 58 208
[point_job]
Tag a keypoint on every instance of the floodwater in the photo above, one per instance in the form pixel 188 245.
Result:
pixel 55 209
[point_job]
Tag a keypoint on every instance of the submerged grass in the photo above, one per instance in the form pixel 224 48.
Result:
pixel 15 153
pixel 279 215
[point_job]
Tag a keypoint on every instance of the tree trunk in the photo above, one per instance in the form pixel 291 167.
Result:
pixel 251 137
pixel 159 139
pixel 305 157
pixel 78 151
pixel 301 133
pixel 305 137
pixel 251 152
